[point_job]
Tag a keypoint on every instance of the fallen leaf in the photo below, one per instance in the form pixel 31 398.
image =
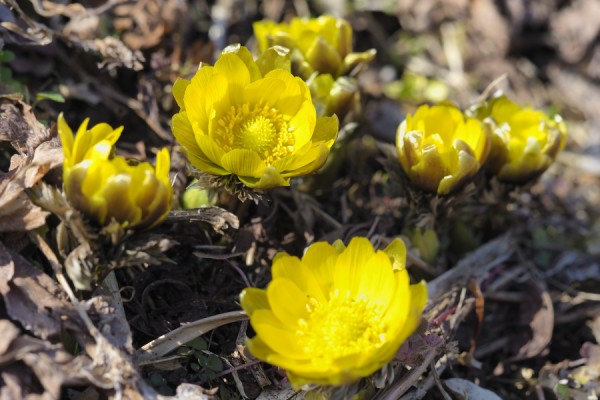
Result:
pixel 38 152
pixel 9 333
pixel 51 364
pixel 537 312
pixel 19 125
pixel 17 212
pixel 32 297
pixel 576 27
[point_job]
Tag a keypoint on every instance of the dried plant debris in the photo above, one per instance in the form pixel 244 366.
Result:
pixel 38 151
pixel 82 24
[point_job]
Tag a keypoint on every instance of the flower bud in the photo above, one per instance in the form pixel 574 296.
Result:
pixel 322 45
pixel 525 141
pixel 105 187
pixel 440 148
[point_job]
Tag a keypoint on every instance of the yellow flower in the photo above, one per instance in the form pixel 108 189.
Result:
pixel 254 120
pixel 104 186
pixel 525 141
pixel 321 44
pixel 336 315
pixel 440 148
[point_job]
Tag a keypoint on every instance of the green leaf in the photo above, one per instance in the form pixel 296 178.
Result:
pixel 5 74
pixel 214 363
pixel 6 56
pixel 54 96
pixel 198 343
pixel 156 379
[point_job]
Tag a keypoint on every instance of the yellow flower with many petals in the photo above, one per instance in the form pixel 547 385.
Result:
pixel 104 186
pixel 336 315
pixel 322 44
pixel 525 141
pixel 440 148
pixel 254 120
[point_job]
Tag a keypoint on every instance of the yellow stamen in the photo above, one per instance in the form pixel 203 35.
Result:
pixel 260 128
pixel 343 326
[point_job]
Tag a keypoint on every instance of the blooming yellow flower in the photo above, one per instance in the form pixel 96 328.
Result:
pixel 336 315
pixel 440 148
pixel 525 141
pixel 322 44
pixel 254 120
pixel 104 186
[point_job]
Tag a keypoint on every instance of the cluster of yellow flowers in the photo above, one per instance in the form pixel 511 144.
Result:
pixel 321 53
pixel 338 313
pixel 441 147
pixel 106 186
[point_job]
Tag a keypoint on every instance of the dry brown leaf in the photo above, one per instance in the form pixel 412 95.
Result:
pixel 32 297
pixel 52 366
pixel 9 333
pixel 19 126
pixel 575 29
pixel 82 23
pixel 17 212
pixel 537 312
pixel 146 22
pixel 38 152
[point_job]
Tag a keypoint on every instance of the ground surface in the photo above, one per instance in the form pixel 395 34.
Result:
pixel 513 291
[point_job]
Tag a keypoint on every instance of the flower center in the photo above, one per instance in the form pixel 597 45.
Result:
pixel 341 327
pixel 259 128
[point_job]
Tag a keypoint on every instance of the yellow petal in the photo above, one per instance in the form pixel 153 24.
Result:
pixel 242 162
pixel 212 151
pixel 418 299
pixel 238 76
pixel 349 264
pixel 326 130
pixel 292 269
pixel 281 340
pixel 320 258
pixel 396 250
pixel 178 90
pixel 246 57
pixel 287 301
pixel 376 279
pixel 66 138
pixel 205 89
pixel 184 134
pixel 252 299
pixel 270 178
pixel 163 165
pixel 264 91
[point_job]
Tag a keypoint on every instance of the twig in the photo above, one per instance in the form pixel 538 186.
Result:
pixel 436 377
pixel 239 367
pixel 400 387
pixel 60 277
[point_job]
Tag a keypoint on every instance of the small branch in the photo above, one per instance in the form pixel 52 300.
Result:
pixel 60 277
